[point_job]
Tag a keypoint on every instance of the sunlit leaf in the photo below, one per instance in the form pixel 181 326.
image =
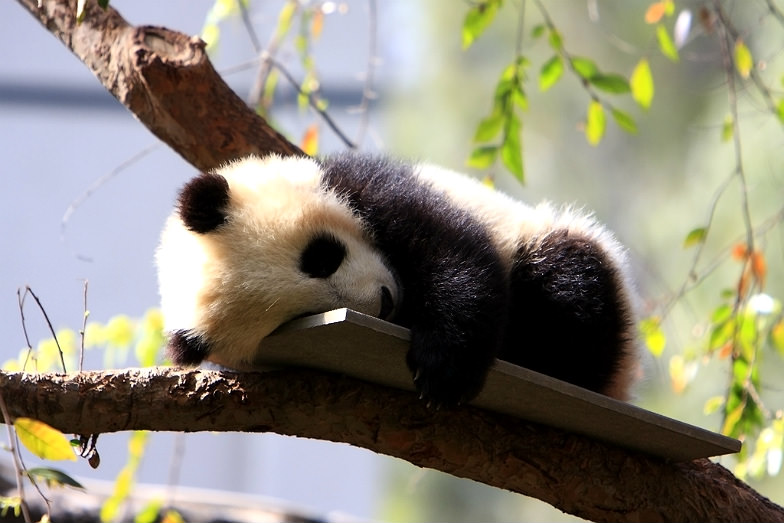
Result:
pixel 43 440
pixel 624 120
pixel 489 127
pixel 310 141
pixel 721 314
pixel 119 331
pixel 666 45
pixel 695 237
pixel 727 128
pixel 585 67
pixel 594 123
pixel 317 24
pixel 739 252
pixel 555 40
pixel 53 477
pixel 759 267
pixel 780 110
pixel 611 83
pixel 713 405
pixel 477 19
pixel 641 84
pixel 743 60
pixel 512 149
pixel 680 373
pixel 550 73
pixel 655 12
pixel 653 335
pixel 732 418
pixel 777 337
pixel 482 157
pixel 149 513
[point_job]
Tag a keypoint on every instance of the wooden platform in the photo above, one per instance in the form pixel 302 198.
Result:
pixel 365 347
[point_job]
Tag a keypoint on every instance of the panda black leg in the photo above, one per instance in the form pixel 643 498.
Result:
pixel 185 348
pixel 569 316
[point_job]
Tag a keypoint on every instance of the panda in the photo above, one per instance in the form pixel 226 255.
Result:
pixel 474 274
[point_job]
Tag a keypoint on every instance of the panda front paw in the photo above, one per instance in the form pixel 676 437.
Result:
pixel 445 376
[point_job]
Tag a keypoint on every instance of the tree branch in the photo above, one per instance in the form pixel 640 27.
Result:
pixel 578 475
pixel 166 80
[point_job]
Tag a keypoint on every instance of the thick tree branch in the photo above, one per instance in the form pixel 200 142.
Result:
pixel 166 80
pixel 577 475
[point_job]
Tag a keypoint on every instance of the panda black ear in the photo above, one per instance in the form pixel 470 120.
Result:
pixel 203 203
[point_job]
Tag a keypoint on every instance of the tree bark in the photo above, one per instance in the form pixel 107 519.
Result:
pixel 166 80
pixel 578 475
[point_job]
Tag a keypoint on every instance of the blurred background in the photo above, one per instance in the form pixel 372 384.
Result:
pixel 61 133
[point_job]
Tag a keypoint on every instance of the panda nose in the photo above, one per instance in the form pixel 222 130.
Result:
pixel 387 304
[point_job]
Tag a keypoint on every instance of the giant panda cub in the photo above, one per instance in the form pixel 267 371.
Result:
pixel 474 274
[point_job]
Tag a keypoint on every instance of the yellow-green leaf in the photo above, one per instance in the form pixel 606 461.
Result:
pixel 713 405
pixel 482 157
pixel 666 45
pixel 653 335
pixel 42 440
pixel 743 60
pixel 624 120
pixel 550 73
pixel 594 123
pixel 585 67
pixel 695 237
pixel 641 84
pixel 780 110
pixel 611 83
pixel 477 19
pixel 727 128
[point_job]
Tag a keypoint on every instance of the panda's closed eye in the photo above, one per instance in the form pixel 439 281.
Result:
pixel 322 256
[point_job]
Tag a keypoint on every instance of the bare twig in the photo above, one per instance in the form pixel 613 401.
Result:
pixel 18 467
pixel 21 299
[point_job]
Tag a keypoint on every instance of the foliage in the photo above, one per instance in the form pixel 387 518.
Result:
pixel 746 326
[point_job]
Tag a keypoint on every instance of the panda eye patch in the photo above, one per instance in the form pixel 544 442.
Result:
pixel 322 256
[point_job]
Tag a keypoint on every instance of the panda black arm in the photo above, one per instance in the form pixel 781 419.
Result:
pixel 454 286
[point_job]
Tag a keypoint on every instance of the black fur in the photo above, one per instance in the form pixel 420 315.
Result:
pixel 455 289
pixel 568 315
pixel 185 348
pixel 203 203
pixel 322 256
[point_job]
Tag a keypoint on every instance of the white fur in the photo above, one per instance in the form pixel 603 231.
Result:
pixel 236 284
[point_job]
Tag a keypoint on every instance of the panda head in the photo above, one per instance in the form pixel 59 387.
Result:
pixel 256 244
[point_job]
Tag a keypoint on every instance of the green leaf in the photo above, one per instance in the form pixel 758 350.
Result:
pixel 713 405
pixel 555 40
pixel 489 127
pixel 611 83
pixel 550 73
pixel 585 67
pixel 53 477
pixel 641 84
pixel 624 121
pixel 666 45
pixel 743 60
pixel 780 110
pixel 477 19
pixel 512 149
pixel 482 157
pixel 42 440
pixel 594 124
pixel 538 31
pixel 653 335
pixel 727 128
pixel 695 237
